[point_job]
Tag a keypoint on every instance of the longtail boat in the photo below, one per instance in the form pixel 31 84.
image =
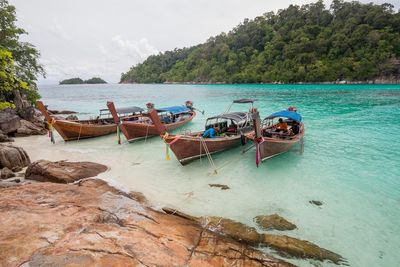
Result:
pixel 270 140
pixel 142 126
pixel 82 129
pixel 232 127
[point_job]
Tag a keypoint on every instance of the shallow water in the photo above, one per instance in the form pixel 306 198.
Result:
pixel 350 163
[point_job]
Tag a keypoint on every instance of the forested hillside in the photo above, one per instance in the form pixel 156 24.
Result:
pixel 310 43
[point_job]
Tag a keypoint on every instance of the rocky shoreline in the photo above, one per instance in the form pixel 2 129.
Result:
pixel 380 80
pixel 54 214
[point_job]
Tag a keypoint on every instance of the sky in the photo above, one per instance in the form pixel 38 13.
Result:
pixel 98 38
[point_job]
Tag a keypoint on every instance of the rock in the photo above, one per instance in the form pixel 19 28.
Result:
pixel 16 169
pixel 300 248
pixel 6 173
pixel 9 121
pixel 274 221
pixel 178 213
pixel 284 245
pixel 4 138
pixel 12 157
pixel 222 186
pixel 28 128
pixel 62 171
pixel 235 230
pixel 139 197
pixel 92 224
pixel 316 202
pixel 72 118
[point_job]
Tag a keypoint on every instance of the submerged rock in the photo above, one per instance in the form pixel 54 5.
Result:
pixel 300 248
pixel 222 186
pixel 28 128
pixel 12 156
pixel 316 202
pixel 62 171
pixel 274 221
pixel 92 224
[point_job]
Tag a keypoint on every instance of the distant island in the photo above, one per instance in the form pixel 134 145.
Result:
pixel 94 80
pixel 347 42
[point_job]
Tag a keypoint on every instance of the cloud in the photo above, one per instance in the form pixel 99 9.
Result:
pixel 136 49
pixel 59 31
pixel 108 61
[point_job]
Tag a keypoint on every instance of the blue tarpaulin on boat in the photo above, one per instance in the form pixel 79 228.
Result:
pixel 286 114
pixel 174 109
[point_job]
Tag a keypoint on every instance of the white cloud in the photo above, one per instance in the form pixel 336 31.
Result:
pixel 136 49
pixel 59 31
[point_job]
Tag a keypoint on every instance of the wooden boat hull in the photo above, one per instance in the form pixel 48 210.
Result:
pixel 273 146
pixel 137 130
pixel 75 130
pixel 188 148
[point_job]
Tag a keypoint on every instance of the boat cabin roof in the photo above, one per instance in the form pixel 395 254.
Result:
pixel 129 110
pixel 126 110
pixel 174 110
pixel 285 114
pixel 235 116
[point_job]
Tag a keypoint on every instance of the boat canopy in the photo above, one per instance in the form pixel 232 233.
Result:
pixel 286 114
pixel 174 110
pixel 129 110
pixel 243 101
pixel 235 116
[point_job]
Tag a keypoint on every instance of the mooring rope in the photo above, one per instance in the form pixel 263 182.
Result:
pixel 80 130
pixel 209 155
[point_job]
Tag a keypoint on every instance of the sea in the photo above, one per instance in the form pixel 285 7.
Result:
pixel 351 161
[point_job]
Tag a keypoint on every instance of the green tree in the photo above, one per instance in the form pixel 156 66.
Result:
pixel 309 43
pixel 24 55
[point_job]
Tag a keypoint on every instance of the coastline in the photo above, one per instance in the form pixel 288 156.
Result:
pixel 376 81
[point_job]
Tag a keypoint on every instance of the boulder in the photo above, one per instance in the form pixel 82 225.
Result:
pixel 72 118
pixel 300 248
pixel 28 128
pixel 274 221
pixel 235 230
pixel 9 121
pixel 92 224
pixel 62 171
pixel 6 173
pixel 4 138
pixel 285 245
pixel 12 157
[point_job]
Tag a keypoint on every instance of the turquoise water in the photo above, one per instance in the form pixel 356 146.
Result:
pixel 351 161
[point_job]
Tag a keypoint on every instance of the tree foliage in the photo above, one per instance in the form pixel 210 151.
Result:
pixel 19 60
pixel 309 43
